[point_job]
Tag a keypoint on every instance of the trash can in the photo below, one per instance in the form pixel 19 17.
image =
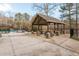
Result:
pixel 51 33
pixel 57 33
pixel 71 32
pixel 48 34
pixel 38 33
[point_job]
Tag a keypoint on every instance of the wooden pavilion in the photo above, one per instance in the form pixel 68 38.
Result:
pixel 51 23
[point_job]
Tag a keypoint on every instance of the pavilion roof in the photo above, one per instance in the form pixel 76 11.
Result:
pixel 48 18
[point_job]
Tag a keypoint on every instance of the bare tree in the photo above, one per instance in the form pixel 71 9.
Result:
pixel 45 8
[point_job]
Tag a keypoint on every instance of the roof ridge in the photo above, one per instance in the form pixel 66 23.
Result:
pixel 47 16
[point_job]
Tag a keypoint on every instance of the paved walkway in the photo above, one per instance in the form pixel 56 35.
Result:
pixel 21 44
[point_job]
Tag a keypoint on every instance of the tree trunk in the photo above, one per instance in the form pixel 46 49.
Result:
pixel 46 8
pixel 70 19
pixel 76 20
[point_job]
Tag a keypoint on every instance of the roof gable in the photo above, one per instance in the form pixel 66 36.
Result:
pixel 45 18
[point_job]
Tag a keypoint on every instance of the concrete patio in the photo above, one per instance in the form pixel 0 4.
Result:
pixel 21 44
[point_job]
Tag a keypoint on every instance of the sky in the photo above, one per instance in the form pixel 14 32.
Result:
pixel 22 7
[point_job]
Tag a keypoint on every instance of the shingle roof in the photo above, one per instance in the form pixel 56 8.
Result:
pixel 48 18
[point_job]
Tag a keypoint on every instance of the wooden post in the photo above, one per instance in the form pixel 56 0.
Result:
pixel 57 27
pixel 41 27
pixel 64 28
pixel 39 19
pixel 32 27
pixel 38 23
pixel 48 27
pixel 38 27
pixel 58 30
pixel 61 29
pixel 38 33
pixel 54 28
